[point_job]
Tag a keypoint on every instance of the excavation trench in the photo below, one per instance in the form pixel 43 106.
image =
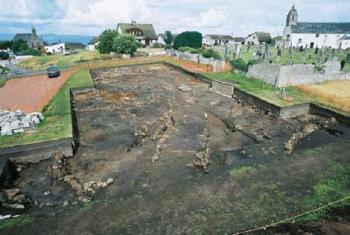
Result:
pixel 169 144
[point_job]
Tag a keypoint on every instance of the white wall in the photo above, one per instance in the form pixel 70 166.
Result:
pixel 323 40
pixel 160 40
pixel 252 39
pixel 92 47
pixel 344 44
pixel 57 48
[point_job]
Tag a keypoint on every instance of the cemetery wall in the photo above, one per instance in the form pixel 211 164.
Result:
pixel 297 74
pixel 218 65
pixel 267 72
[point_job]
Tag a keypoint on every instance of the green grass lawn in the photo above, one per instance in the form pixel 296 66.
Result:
pixel 57 123
pixel 261 89
pixel 308 57
pixel 42 62
pixel 2 82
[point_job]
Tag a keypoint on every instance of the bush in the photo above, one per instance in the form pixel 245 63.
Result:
pixel 30 51
pixel 210 53
pixel 188 39
pixel 124 44
pixel 157 45
pixel 4 55
pixel 347 58
pixel 252 62
pixel 240 65
pixel 106 41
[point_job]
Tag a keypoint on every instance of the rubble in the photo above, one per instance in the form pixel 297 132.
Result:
pixel 18 122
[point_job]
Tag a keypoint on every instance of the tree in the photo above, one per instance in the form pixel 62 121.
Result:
pixel 188 39
pixel 4 55
pixel 124 44
pixel 5 45
pixel 19 45
pixel 169 38
pixel 106 41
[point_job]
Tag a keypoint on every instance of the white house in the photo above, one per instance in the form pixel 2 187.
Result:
pixel 217 40
pixel 312 35
pixel 258 38
pixel 93 44
pixel 144 33
pixel 161 39
pixel 56 48
pixel 344 42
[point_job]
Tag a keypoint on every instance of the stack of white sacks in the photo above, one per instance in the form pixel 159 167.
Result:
pixel 18 122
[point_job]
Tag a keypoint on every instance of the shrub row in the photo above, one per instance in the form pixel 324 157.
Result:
pixel 207 53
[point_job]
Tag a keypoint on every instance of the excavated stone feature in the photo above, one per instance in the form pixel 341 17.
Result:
pixel 160 152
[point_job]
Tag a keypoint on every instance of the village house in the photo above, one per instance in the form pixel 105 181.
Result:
pixel 258 38
pixel 162 38
pixel 216 39
pixel 144 33
pixel 344 42
pixel 93 44
pixel 32 39
pixel 56 48
pixel 312 35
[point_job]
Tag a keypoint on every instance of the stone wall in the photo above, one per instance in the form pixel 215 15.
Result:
pixel 267 72
pixel 218 65
pixel 297 74
pixel 18 122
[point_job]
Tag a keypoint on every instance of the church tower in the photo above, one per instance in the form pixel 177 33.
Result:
pixel 292 17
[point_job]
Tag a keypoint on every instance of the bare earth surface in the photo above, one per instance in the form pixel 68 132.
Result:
pixel 30 94
pixel 183 160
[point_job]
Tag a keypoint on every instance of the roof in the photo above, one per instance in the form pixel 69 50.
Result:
pixel 148 30
pixel 22 36
pixel 94 40
pixel 262 36
pixel 220 37
pixel 238 39
pixel 345 37
pixel 322 28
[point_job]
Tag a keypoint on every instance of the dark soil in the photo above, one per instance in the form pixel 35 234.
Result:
pixel 184 160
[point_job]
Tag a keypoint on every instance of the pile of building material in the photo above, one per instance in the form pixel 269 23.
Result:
pixel 18 122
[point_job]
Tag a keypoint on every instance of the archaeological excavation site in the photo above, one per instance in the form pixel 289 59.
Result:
pixel 157 150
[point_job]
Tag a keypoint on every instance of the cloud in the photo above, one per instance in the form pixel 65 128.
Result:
pixel 90 17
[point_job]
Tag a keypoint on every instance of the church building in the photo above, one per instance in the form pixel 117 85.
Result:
pixel 32 39
pixel 313 35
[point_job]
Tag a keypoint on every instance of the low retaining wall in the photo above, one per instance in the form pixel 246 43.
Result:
pixel 38 152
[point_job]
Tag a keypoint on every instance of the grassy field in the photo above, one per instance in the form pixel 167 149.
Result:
pixel 261 89
pixel 57 122
pixel 297 57
pixel 335 93
pixel 42 62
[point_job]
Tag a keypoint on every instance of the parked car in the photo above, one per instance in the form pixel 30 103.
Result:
pixel 53 71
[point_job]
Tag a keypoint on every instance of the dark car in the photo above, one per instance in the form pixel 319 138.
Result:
pixel 53 71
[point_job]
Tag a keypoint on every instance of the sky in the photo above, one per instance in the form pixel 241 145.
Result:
pixel 235 17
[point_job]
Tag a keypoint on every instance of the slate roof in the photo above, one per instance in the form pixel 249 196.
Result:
pixel 321 28
pixel 262 36
pixel 345 37
pixel 238 39
pixel 148 30
pixel 94 40
pixel 220 37
pixel 22 36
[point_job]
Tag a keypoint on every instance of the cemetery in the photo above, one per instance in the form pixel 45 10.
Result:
pixel 153 138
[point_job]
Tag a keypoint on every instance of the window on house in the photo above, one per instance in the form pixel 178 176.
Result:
pixel 300 40
pixel 317 35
